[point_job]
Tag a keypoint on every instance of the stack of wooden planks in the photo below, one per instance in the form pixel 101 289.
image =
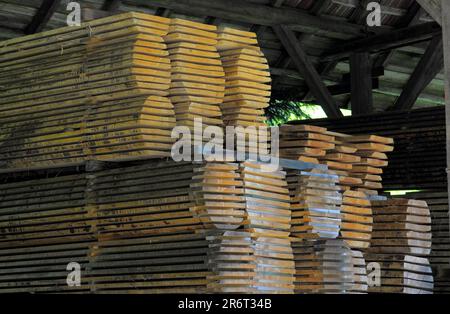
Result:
pixel 401 226
pixel 316 201
pixel 198 79
pixel 146 230
pixel 356 159
pixel 247 77
pixel 402 274
pixel 231 259
pixel 217 191
pixel 305 142
pixel 372 149
pixel 360 281
pixel 440 247
pixel 149 263
pixel 341 160
pixel 418 161
pixel 92 92
pixel 401 241
pixel 356 226
pixel 323 266
pixel 268 218
pixel 153 198
pixel 154 227
pixel 44 225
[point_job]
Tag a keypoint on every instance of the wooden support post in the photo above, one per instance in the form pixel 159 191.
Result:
pixel 42 16
pixel 307 69
pixel 426 70
pixel 446 44
pixel 361 83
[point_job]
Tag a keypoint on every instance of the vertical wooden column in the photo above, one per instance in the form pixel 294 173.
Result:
pixel 446 43
pixel 361 83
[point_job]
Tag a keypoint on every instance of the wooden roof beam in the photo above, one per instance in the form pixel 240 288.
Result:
pixel 260 29
pixel 111 5
pixel 426 70
pixel 251 13
pixel 412 16
pixel 389 40
pixel 42 16
pixel 356 4
pixel 307 69
pixel 284 61
pixel 433 8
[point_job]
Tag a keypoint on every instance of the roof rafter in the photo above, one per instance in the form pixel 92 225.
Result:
pixel 307 69
pixel 433 8
pixel 426 70
pixel 396 38
pixel 251 13
pixel 42 16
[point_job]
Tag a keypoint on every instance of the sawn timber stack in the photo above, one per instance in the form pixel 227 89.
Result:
pixel 98 91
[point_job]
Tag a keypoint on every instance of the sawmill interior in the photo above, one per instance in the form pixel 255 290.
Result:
pixel 87 178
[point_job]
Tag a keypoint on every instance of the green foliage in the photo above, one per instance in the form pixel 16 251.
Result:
pixel 282 111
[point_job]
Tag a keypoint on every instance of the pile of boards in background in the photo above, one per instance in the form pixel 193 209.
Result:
pixel 418 162
pixel 112 90
pixel 357 160
pixel 440 242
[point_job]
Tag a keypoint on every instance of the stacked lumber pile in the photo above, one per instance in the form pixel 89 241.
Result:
pixel 44 225
pixel 341 160
pixel 356 226
pixel 92 92
pixel 401 226
pixel 316 201
pixel 145 199
pixel 323 266
pixel 152 263
pixel 198 79
pixel 146 231
pixel 440 247
pixel 305 142
pixel 268 218
pixel 372 149
pixel 402 274
pixel 418 161
pixel 218 194
pixel 402 232
pixel 231 260
pixel 247 87
pixel 156 227
pixel 358 160
pixel 360 285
